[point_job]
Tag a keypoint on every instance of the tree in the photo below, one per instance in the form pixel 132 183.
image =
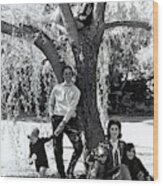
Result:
pixel 85 42
pixel 129 63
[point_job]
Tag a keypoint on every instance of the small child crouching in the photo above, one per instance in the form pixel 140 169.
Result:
pixel 38 153
pixel 134 164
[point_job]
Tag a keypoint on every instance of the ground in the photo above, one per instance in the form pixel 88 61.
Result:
pixel 15 151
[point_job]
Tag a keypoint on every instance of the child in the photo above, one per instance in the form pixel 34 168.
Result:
pixel 37 152
pixel 95 162
pixel 134 164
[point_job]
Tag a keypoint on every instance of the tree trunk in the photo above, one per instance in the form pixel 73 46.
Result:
pixel 46 45
pixel 86 82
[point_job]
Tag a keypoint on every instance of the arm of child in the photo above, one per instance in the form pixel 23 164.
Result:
pixel 46 139
pixel 143 169
pixel 30 151
pixel 30 155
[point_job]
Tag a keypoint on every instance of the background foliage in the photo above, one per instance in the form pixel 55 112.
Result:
pixel 125 61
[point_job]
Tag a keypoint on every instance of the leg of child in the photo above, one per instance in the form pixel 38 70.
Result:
pixel 42 172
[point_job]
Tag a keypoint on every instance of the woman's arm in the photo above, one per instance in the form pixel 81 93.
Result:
pixel 52 102
pixel 70 111
pixel 72 107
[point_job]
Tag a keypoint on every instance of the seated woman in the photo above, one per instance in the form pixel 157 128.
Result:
pixel 107 163
pixel 115 160
pixel 134 164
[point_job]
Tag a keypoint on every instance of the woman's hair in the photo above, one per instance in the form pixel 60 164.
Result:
pixel 129 146
pixel 118 124
pixel 67 67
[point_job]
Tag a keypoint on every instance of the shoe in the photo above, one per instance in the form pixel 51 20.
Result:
pixel 62 176
pixel 70 176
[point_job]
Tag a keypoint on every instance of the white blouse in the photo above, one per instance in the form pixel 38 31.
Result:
pixel 63 100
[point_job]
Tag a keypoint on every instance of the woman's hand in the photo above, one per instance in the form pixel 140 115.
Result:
pixel 60 128
pixel 30 161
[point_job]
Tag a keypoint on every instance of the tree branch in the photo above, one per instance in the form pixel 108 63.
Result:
pixel 98 15
pixel 10 29
pixel 42 41
pixel 134 24
pixel 99 12
pixel 69 22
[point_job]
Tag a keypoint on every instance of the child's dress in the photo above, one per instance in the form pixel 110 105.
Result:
pixel 135 166
pixel 39 150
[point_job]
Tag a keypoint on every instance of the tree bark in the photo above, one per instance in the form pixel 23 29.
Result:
pixel 86 81
pixel 69 23
pixel 99 12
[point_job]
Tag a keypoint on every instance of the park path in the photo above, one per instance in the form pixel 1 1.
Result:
pixel 15 151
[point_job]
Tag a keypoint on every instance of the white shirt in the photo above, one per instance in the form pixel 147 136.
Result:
pixel 115 148
pixel 63 100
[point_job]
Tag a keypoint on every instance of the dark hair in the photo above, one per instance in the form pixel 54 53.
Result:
pixel 35 133
pixel 67 67
pixel 129 146
pixel 118 124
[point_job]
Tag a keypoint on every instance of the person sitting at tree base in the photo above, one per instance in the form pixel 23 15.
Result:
pixel 106 162
pixel 134 164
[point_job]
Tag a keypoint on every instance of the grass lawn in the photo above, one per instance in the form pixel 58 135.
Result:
pixel 15 145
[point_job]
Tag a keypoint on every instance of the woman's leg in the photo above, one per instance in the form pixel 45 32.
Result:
pixel 75 138
pixel 58 147
pixel 58 151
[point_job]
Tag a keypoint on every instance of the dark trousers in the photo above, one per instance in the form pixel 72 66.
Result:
pixel 71 130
